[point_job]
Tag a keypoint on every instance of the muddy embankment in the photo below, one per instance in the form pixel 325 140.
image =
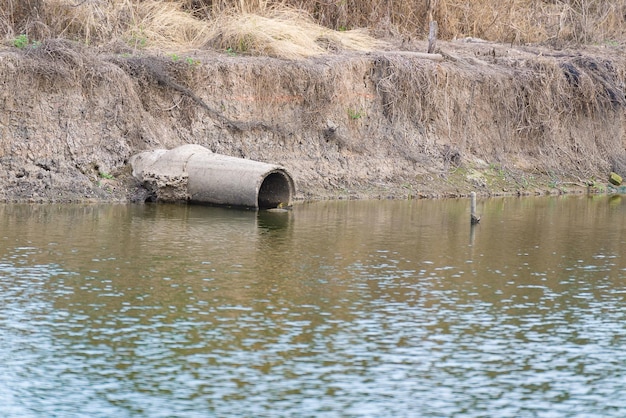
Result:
pixel 487 118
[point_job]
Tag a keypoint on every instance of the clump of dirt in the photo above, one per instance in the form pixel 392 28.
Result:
pixel 478 117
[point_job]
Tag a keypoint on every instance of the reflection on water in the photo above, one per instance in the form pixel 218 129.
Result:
pixel 332 309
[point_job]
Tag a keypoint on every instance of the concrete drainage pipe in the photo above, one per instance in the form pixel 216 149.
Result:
pixel 195 174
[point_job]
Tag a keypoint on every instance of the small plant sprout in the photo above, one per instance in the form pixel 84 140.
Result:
pixel 22 42
pixel 355 114
pixel 554 183
pixel 107 176
pixel 138 39
pixel 192 61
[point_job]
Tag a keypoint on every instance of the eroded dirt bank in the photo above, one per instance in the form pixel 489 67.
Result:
pixel 488 118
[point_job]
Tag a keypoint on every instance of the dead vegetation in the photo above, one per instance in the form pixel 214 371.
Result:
pixel 139 24
pixel 501 106
pixel 169 26
pixel 512 21
pixel 192 23
pixel 283 33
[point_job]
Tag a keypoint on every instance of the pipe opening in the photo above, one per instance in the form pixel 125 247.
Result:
pixel 276 188
pixel 192 173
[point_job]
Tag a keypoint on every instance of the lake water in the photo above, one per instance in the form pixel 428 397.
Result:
pixel 334 309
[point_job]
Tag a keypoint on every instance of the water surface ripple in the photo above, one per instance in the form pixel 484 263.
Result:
pixel 335 309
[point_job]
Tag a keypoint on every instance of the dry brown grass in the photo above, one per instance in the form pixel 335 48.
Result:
pixel 521 21
pixel 20 16
pixel 184 23
pixel 166 25
pixel 148 23
pixel 515 21
pixel 140 23
pixel 283 33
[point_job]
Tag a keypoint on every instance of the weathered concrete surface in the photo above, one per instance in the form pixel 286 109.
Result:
pixel 193 173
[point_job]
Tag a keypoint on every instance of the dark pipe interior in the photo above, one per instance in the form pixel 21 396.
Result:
pixel 275 189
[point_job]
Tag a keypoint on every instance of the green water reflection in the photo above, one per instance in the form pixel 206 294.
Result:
pixel 332 309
